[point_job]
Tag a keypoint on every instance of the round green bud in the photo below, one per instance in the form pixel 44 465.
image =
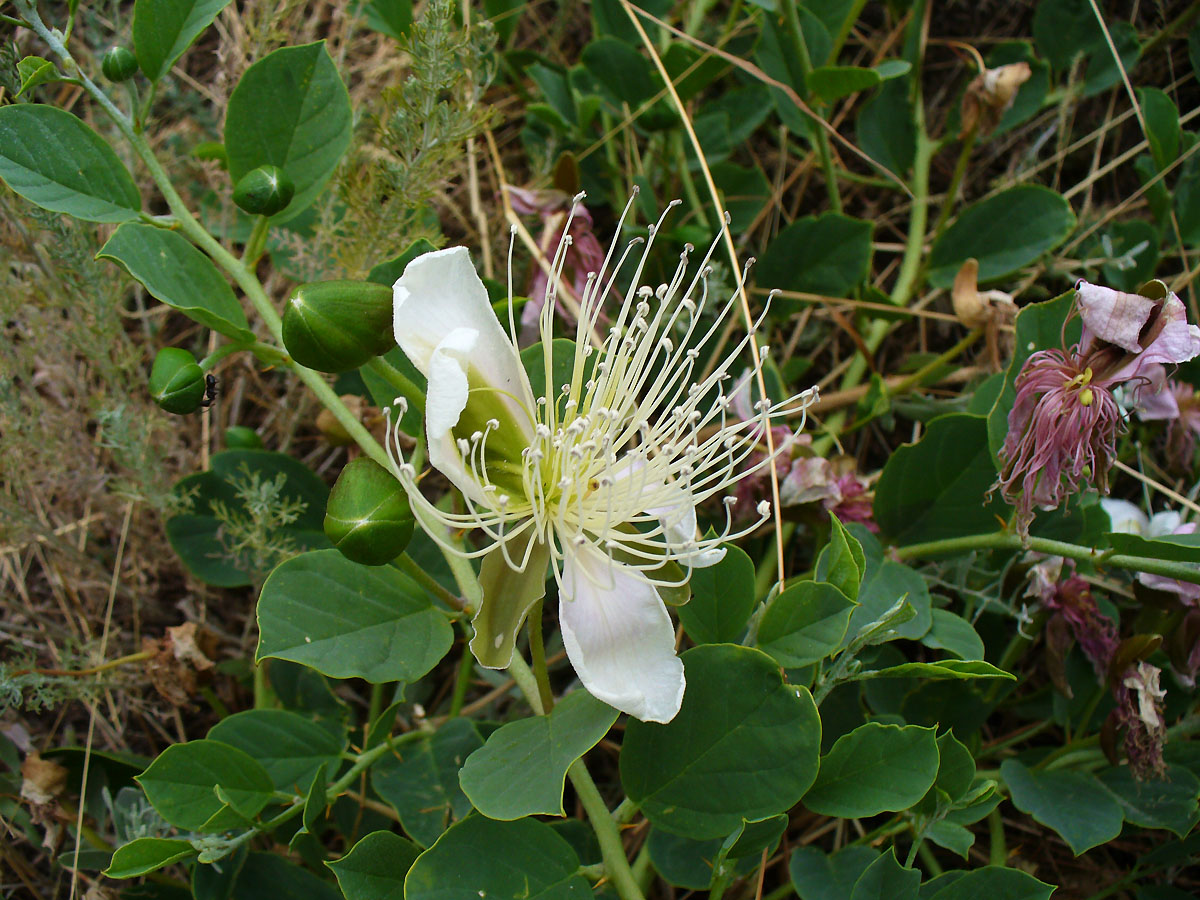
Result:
pixel 264 191
pixel 368 517
pixel 119 64
pixel 335 326
pixel 177 383
pixel 239 437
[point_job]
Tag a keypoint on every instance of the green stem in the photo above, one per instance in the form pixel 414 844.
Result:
pixel 398 380
pixel 1002 540
pixel 998 850
pixel 839 40
pixel 537 652
pixel 820 137
pixel 932 866
pixel 960 169
pixel 915 379
pixel 462 683
pixel 609 838
pixel 223 351
pixel 257 242
pixel 409 567
pixel 616 864
pixel 625 812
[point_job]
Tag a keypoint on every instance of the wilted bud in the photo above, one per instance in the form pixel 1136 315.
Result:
pixel 119 64
pixel 990 94
pixel 335 326
pixel 177 383
pixel 264 191
pixel 368 517
pixel 975 308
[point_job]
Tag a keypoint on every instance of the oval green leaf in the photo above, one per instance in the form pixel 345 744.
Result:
pixel 828 254
pixel 423 784
pixel 147 854
pixel 55 161
pixel 375 867
pixel 480 857
pixel 875 768
pixel 805 623
pixel 182 785
pixel 995 883
pixel 1004 232
pixel 350 621
pixel 289 746
pixel 743 746
pixel 1075 804
pixel 722 599
pixel 522 769
pixel 291 110
pixel 164 29
pixel 179 275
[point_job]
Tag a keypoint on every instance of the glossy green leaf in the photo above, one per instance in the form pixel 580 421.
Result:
pixel 164 29
pixel 828 254
pixel 55 161
pixel 1173 547
pixel 805 623
pixel 886 127
pixel 147 854
pixel 941 669
pixel 831 83
pixel 480 857
pixel 179 275
pixel 291 110
pixel 1004 232
pixel 1169 802
pixel 197 535
pixel 181 784
pixel 375 867
pixel 1075 804
pixel 953 634
pixel 686 863
pixel 936 488
pixel 743 746
pixel 994 883
pixel 522 769
pixel 722 599
pixel 820 876
pixel 875 768
pixel 350 621
pixel 423 785
pixel 954 837
pixel 843 560
pixel 886 582
pixel 886 879
pixel 290 747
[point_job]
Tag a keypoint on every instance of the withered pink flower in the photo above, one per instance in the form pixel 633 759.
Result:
pixel 567 226
pixel 1178 404
pixel 1062 429
pixel 1073 604
pixel 1139 712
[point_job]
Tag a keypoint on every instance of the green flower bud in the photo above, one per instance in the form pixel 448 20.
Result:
pixel 177 383
pixel 335 326
pixel 264 191
pixel 119 64
pixel 368 518
pixel 239 437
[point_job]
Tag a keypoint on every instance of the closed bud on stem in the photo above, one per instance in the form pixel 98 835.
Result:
pixel 119 64
pixel 335 326
pixel 239 437
pixel 177 381
pixel 368 517
pixel 264 191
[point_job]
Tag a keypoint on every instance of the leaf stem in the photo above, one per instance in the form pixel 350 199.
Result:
pixel 1003 540
pixel 537 652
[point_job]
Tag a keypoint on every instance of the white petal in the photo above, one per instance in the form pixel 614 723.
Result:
pixel 445 400
pixel 439 293
pixel 1124 516
pixel 619 636
pixel 1163 523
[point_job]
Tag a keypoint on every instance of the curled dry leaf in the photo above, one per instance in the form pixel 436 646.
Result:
pixel 181 661
pixel 990 94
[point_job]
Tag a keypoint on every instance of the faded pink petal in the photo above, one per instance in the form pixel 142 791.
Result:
pixel 1113 316
pixel 1168 339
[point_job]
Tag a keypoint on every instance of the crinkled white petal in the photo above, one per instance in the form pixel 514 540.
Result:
pixel 619 636
pixel 445 400
pixel 1114 316
pixel 1164 523
pixel 439 293
pixel 1124 516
